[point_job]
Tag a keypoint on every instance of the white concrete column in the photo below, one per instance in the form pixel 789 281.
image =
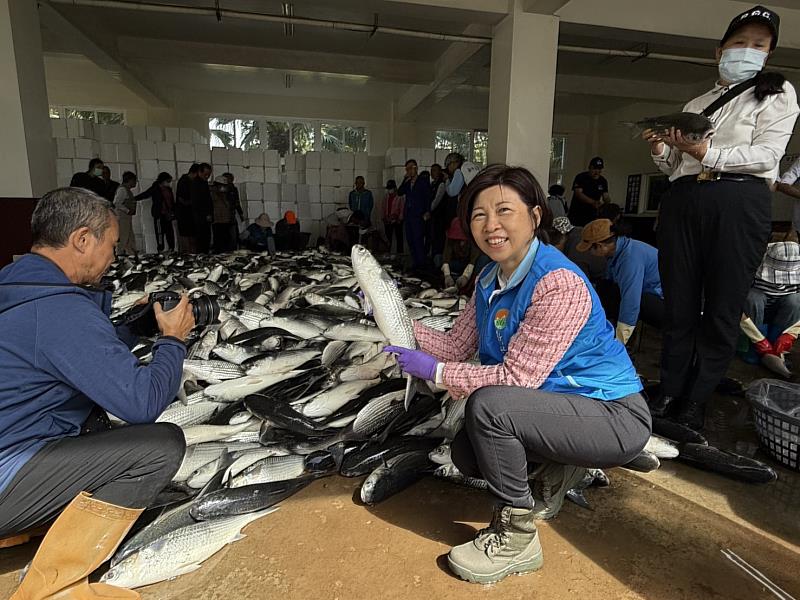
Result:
pixel 27 153
pixel 522 91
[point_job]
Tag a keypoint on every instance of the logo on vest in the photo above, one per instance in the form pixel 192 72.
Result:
pixel 501 319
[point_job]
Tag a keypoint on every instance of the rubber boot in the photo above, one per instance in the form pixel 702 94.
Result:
pixel 513 547
pixel 83 537
pixel 693 414
pixel 550 486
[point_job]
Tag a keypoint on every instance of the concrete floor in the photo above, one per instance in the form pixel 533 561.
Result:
pixel 655 536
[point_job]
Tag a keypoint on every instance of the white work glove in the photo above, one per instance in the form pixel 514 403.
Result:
pixel 624 332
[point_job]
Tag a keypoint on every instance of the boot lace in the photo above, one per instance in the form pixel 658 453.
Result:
pixel 499 537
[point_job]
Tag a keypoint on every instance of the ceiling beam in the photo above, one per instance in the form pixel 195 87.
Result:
pixel 485 6
pixel 63 27
pixel 625 88
pixel 383 69
pixel 544 7
pixel 447 76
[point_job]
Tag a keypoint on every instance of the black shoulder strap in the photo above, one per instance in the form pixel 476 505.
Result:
pixel 732 93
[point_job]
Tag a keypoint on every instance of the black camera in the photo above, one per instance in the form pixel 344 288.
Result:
pixel 141 319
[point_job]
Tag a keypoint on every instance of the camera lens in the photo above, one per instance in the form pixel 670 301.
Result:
pixel 205 309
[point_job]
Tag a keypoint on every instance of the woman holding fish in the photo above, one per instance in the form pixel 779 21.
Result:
pixel 553 387
pixel 715 219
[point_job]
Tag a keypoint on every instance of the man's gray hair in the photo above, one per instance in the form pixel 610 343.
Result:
pixel 64 210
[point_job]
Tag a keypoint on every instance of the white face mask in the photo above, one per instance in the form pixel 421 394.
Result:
pixel 740 64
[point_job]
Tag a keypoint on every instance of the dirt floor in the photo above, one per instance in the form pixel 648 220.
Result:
pixel 657 536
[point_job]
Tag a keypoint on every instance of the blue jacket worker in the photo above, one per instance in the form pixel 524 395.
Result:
pixel 361 199
pixel 633 267
pixel 62 366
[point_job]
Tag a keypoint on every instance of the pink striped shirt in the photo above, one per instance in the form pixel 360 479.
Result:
pixel 560 306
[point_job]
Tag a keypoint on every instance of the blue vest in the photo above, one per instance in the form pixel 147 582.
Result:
pixel 596 365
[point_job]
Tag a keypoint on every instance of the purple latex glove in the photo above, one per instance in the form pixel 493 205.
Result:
pixel 415 362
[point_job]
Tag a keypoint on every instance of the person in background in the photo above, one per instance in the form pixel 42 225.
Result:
pixel 111 185
pixel 287 232
pixel 553 387
pixel 202 209
pixel 360 199
pixel 714 220
pixel 459 258
pixel 236 207
pixel 555 200
pixel 92 179
pixel 125 208
pixel 162 210
pixel 771 316
pixel 416 192
pixel 183 210
pixel 567 239
pixel 788 185
pixel 393 209
pixel 438 222
pixel 589 192
pixel 60 459
pixel 633 268
pixel 259 237
pixel 223 215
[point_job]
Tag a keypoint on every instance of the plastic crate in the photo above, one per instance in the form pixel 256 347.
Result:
pixel 776 413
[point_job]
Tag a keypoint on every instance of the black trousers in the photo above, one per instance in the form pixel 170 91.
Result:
pixel 507 427
pixel 126 467
pixel 164 231
pixel 202 234
pixel 651 307
pixel 711 238
pixel 222 237
pixel 395 230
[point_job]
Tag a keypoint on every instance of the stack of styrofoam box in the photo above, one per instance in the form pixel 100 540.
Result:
pixel 253 167
pixel 146 160
pixel 251 195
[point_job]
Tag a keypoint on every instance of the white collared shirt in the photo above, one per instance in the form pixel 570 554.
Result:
pixel 750 138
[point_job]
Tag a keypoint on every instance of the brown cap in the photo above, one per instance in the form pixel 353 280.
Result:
pixel 598 230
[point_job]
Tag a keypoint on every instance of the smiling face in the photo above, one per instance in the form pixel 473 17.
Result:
pixel 503 226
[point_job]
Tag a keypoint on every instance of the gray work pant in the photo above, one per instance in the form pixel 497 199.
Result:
pixel 507 427
pixel 780 311
pixel 127 467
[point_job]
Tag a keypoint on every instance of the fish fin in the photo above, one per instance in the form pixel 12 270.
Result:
pixel 184 570
pixel 237 537
pixel 409 391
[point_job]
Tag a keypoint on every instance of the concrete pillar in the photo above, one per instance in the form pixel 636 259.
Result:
pixel 522 91
pixel 27 153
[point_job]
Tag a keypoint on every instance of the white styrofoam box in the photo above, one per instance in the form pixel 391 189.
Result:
pixel 236 171
pixel 148 169
pixel 395 157
pixel 316 211
pixel 254 158
pixel 116 172
pixel 313 176
pixel 330 160
pixel 313 160
pixel 79 165
pixel 398 175
pixel 165 151
pixel 235 157
pixel 125 153
pixel 186 135
pixel 302 193
pixel 376 163
pixel 328 209
pixel 374 180
pixel 202 153
pixel 273 210
pixel 441 154
pixel 139 133
pixel 303 211
pixel 129 167
pixel 166 166
pixel 300 162
pixel 330 178
pixel 290 162
pixel 64 168
pixel 291 177
pixel 342 195
pixel 184 152
pixel 180 169
pixel 172 134
pixel 253 209
pixel 219 156
pixel 155 134
pixel 272 159
pixel 314 195
pixel 65 148
pixel 121 134
pixel 361 162
pixel 85 148
pixel 252 191
pixel 289 193
pixel 427 157
pixel 389 174
pixel 272 175
pixel 348 178
pixel 272 192
pixel 347 161
pixel 77 128
pixel 253 174
pixel 146 150
pixel 286 206
pixel 108 152
pixel 58 128
pixel 327 194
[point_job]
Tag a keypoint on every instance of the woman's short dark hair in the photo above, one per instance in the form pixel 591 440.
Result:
pixel 520 180
pixel 64 210
pixel 556 190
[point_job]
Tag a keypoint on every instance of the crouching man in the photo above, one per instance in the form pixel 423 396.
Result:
pixel 63 363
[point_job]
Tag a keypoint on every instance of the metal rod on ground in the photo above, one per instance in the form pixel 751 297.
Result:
pixel 756 574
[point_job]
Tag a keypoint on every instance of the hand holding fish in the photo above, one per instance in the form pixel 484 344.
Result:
pixel 696 149
pixel 415 362
pixel 655 140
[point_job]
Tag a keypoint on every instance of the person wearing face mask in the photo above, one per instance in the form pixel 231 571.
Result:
pixel 125 207
pixel 92 179
pixel 162 210
pixel 715 218
pixel 553 387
